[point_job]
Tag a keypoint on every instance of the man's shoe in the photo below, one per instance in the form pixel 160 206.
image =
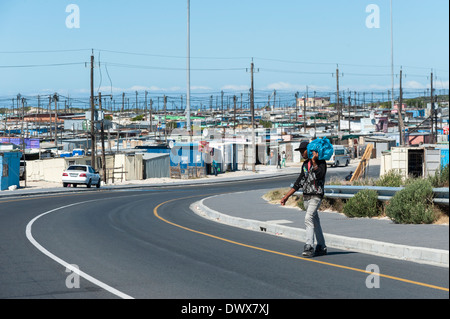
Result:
pixel 308 251
pixel 320 251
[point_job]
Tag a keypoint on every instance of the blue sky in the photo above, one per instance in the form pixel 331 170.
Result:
pixel 141 45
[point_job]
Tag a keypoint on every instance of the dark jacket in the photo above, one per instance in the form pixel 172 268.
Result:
pixel 311 181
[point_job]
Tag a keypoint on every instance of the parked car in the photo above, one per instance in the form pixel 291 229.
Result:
pixel 340 156
pixel 80 175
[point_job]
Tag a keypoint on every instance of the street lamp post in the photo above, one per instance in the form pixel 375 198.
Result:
pixel 392 59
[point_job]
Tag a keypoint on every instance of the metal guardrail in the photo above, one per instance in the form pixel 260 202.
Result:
pixel 441 195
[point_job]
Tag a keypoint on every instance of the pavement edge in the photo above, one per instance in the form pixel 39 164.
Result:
pixel 434 257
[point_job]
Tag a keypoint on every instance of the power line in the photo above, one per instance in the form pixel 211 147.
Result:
pixel 40 65
pixel 280 60
pixel 132 66
pixel 171 56
pixel 44 51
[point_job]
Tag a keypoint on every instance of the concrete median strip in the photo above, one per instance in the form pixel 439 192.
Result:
pixel 428 256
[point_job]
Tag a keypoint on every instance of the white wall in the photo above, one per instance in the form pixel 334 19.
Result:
pixel 51 170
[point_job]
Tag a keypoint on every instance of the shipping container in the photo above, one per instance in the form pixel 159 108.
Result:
pixel 432 161
pixel 444 152
pixel 414 161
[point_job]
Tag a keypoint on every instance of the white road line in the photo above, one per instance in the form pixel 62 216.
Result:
pixel 66 264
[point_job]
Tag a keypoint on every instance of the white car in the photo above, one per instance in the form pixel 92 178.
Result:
pixel 340 156
pixel 80 174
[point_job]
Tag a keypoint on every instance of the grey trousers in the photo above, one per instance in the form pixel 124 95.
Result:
pixel 312 220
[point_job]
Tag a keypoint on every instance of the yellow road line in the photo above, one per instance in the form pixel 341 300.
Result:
pixel 155 212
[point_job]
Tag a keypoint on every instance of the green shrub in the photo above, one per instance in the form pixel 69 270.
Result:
pixel 413 204
pixel 440 179
pixel 363 204
pixel 138 118
pixel 445 176
pixel 391 179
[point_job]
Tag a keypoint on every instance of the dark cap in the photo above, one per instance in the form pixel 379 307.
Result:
pixel 303 146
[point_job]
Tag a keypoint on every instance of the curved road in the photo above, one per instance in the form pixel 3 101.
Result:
pixel 146 243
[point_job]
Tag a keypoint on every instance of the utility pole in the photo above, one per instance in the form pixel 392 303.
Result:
pixel 433 132
pixel 165 119
pixel 400 111
pixel 6 126
pixel 315 112
pixel 296 111
pixel 234 118
pixel 242 96
pixel 305 100
pixel 274 99
pixel 364 101
pixel 19 97
pixel 123 102
pixel 49 110
pixel 436 110
pixel 23 140
pixel 349 114
pixel 223 114
pixel 188 60
pixel 55 99
pixel 137 107
pixel 92 114
pixel 337 99
pixel 151 116
pixel 145 102
pixel 39 124
pixel 392 56
pixel 181 103
pixel 252 109
pixel 102 128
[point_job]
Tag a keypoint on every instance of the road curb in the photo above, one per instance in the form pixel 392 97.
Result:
pixel 434 257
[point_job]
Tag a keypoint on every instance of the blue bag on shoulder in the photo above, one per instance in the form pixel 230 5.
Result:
pixel 323 147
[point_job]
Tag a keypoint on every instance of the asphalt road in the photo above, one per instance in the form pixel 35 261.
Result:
pixel 147 244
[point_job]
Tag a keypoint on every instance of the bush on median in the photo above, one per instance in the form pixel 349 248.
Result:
pixel 363 204
pixel 413 204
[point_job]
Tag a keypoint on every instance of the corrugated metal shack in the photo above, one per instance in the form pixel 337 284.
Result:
pixel 156 165
pixel 9 169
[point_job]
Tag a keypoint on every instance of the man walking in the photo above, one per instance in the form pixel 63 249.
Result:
pixel 312 182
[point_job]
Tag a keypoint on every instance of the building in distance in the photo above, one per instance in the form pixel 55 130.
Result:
pixel 313 102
